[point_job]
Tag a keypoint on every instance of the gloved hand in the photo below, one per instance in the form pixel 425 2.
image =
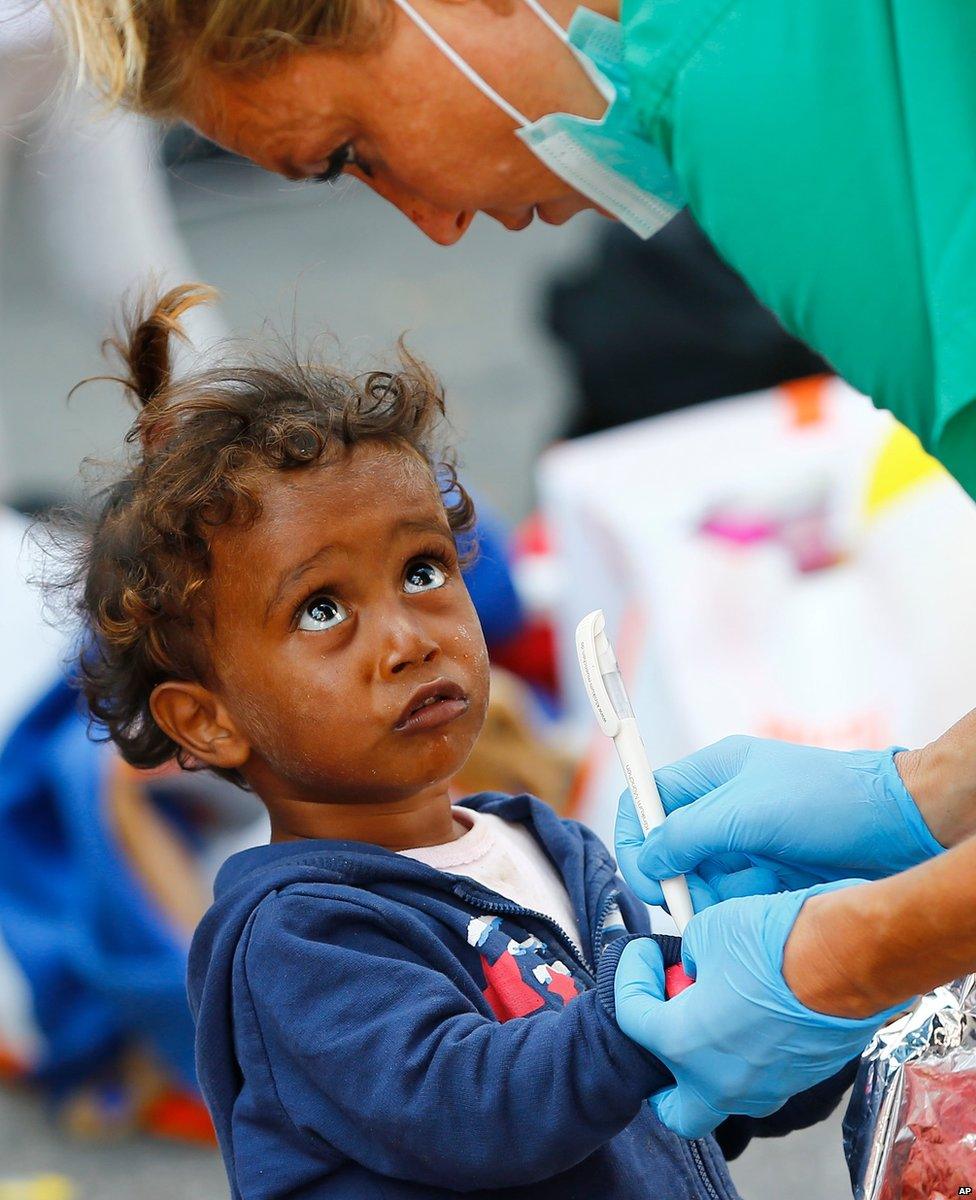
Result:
pixel 738 1041
pixel 751 816
pixel 719 877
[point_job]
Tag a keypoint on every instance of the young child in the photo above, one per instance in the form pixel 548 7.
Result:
pixel 399 996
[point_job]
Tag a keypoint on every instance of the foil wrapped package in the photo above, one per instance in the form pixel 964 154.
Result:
pixel 910 1128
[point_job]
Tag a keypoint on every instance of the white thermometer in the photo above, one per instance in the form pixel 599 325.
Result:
pixel 605 688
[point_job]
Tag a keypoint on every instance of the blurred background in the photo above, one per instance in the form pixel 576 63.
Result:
pixel 630 422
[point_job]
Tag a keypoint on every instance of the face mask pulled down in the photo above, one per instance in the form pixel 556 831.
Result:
pixel 607 160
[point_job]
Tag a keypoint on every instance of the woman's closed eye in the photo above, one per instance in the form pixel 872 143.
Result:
pixel 321 612
pixel 424 575
pixel 337 162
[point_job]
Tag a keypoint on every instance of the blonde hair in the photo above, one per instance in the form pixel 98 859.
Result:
pixel 144 54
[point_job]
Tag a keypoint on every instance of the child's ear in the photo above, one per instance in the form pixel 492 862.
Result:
pixel 193 717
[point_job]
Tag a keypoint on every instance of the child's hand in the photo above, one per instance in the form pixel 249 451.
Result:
pixel 739 1041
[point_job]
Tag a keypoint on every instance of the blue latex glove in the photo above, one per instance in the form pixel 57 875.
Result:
pixel 738 1041
pixel 750 816
pixel 720 877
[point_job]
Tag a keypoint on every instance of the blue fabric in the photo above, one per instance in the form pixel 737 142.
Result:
pixel 371 1027
pixel 101 964
pixel 489 580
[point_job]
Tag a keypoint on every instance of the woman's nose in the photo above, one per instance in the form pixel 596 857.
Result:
pixel 444 228
pixel 442 225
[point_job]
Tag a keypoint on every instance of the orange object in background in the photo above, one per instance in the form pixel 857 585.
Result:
pixel 181 1116
pixel 806 399
pixel 11 1067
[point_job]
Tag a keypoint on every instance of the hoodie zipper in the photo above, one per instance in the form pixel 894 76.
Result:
pixel 699 1160
pixel 609 901
pixel 694 1146
pixel 509 908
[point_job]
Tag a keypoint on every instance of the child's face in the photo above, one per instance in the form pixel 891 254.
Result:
pixel 348 660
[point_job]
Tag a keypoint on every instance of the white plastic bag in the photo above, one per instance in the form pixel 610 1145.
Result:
pixel 794 571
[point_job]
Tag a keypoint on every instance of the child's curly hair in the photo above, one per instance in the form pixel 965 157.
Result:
pixel 202 441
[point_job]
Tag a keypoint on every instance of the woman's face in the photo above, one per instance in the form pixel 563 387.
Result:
pixel 404 120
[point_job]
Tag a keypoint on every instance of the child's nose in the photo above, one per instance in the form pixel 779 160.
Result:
pixel 409 647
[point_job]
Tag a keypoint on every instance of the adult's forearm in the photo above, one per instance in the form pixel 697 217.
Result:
pixel 941 779
pixel 859 950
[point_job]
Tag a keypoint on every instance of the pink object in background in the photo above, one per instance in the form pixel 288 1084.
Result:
pixel 741 530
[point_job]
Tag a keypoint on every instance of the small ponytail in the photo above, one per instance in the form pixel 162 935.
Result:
pixel 202 445
pixel 144 346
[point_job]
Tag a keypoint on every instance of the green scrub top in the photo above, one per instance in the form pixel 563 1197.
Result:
pixel 828 149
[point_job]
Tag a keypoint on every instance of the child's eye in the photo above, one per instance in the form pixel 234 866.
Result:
pixel 322 612
pixel 424 577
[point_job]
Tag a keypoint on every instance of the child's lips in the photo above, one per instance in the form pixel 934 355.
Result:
pixel 433 705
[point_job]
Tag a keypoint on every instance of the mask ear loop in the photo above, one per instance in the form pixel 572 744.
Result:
pixel 549 20
pixel 469 72
pixel 595 75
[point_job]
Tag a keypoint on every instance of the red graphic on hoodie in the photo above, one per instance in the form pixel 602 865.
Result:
pixel 519 978
pixel 507 993
pixel 563 985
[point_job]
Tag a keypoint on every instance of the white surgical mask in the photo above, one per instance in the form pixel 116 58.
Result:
pixel 605 159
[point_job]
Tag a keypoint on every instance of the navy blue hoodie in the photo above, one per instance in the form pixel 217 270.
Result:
pixel 368 1026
